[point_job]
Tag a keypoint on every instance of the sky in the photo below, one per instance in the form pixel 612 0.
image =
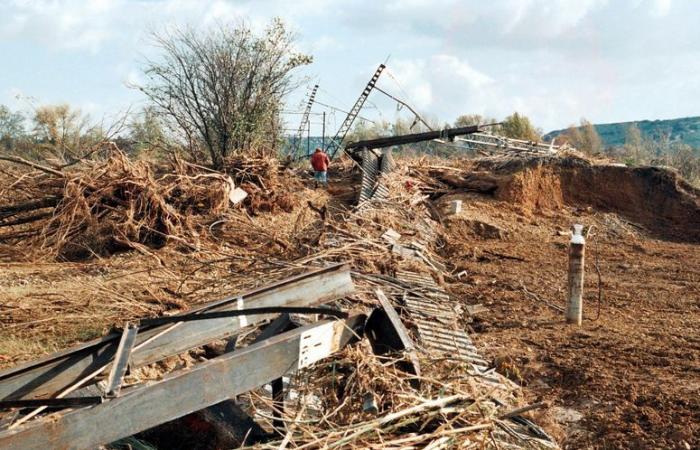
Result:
pixel 556 61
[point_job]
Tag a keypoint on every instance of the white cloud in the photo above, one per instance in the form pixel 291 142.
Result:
pixel 60 24
pixel 550 17
pixel 441 85
pixel 556 60
pixel 660 8
pixel 449 66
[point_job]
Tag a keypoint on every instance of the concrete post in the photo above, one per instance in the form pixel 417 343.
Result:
pixel 574 306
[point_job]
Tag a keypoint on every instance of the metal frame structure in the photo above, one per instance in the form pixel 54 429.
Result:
pixel 494 143
pixel 202 386
pixel 447 133
pixel 296 143
pixel 60 374
pixel 337 141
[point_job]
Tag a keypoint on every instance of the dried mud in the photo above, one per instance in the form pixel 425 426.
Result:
pixel 628 378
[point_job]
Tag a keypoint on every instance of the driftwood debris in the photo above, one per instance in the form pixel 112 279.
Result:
pixel 100 207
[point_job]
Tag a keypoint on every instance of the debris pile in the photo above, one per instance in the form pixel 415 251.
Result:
pixel 359 397
pixel 102 207
pixel 374 353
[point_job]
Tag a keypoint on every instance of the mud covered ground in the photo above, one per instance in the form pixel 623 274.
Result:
pixel 629 378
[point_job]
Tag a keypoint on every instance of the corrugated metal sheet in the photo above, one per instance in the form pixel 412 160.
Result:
pixel 437 320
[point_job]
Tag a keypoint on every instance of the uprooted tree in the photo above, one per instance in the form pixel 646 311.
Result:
pixel 222 90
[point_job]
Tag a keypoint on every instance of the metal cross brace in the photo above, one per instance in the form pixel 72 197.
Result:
pixel 121 360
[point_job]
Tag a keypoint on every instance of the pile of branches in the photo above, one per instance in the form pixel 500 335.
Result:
pixel 101 207
pixel 361 401
pixel 258 174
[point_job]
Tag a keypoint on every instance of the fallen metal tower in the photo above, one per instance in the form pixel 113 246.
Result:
pixel 447 133
pixel 373 163
pixel 337 140
pixel 499 144
pixel 90 415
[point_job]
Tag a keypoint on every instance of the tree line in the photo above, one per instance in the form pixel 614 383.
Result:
pixel 637 149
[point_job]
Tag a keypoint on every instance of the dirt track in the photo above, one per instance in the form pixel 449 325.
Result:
pixel 633 374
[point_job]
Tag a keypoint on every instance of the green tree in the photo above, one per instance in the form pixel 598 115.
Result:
pixel 11 127
pixel 60 131
pixel 472 119
pixel 591 139
pixel 145 131
pixel 584 138
pixel 686 159
pixel 518 126
pixel 636 149
pixel 223 89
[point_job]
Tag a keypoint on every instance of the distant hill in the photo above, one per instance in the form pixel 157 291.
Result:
pixel 686 130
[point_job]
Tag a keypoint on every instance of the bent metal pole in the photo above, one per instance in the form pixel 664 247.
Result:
pixel 574 306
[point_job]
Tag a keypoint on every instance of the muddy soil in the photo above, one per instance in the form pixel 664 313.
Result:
pixel 630 376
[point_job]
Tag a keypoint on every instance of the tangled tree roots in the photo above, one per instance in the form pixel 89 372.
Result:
pixel 117 204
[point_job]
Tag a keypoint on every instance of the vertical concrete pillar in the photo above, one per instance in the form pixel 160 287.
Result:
pixel 574 306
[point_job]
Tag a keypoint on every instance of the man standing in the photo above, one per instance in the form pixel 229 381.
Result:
pixel 320 163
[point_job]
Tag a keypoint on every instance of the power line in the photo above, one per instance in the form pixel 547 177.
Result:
pixel 340 110
pixel 406 105
pixel 300 112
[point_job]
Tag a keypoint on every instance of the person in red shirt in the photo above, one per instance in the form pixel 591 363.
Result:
pixel 320 163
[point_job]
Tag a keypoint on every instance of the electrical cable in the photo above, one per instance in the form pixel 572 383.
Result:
pixel 340 110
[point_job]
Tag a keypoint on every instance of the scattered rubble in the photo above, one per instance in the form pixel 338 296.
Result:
pixel 456 281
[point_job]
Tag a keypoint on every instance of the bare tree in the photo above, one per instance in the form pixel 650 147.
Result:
pixel 223 89
pixel 584 138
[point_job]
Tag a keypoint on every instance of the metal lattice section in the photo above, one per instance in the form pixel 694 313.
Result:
pixel 372 187
pixel 436 320
pixel 295 150
pixel 500 144
pixel 337 140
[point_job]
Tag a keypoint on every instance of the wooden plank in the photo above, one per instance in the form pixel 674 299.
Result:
pixel 391 236
pixel 56 372
pixel 237 195
pixel 474 310
pixel 180 393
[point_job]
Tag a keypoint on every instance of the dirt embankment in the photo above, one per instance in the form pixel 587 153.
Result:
pixel 655 198
pixel 627 378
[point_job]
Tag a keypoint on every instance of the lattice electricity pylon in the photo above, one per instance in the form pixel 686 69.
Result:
pixel 296 143
pixel 337 140
pixel 499 144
